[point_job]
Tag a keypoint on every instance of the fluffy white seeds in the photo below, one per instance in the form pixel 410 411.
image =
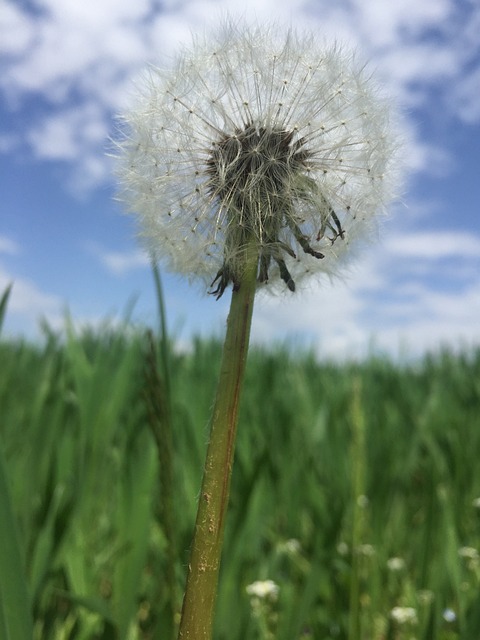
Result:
pixel 255 136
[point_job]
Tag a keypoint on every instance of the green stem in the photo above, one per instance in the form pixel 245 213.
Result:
pixel 199 600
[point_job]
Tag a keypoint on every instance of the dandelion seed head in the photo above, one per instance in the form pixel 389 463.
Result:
pixel 257 136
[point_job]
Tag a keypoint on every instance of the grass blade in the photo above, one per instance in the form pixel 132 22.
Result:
pixel 3 304
pixel 15 615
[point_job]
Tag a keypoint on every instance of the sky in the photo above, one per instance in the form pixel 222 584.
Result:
pixel 67 69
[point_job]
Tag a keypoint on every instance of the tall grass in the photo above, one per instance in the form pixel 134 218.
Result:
pixel 339 469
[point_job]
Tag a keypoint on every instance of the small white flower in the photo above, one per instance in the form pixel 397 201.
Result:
pixel 257 137
pixel 366 550
pixel 425 597
pixel 291 547
pixel 404 615
pixel 449 615
pixel 476 503
pixel 263 589
pixel 362 501
pixel 396 564
pixel 470 553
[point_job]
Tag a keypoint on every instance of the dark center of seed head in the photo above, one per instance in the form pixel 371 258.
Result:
pixel 250 175
pixel 255 158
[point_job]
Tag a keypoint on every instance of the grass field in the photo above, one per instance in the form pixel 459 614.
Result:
pixel 356 490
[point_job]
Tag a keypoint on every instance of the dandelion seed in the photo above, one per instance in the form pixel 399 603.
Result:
pixel 257 137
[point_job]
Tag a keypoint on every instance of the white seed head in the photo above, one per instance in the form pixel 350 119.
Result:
pixel 255 136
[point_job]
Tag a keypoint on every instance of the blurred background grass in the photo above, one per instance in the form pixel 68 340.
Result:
pixel 355 489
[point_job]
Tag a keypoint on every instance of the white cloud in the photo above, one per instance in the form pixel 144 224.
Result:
pixel 118 263
pixel 9 246
pixel 17 30
pixel 27 303
pixel 339 323
pixel 388 22
pixel 466 97
pixel 385 301
pixel 434 244
pixel 79 57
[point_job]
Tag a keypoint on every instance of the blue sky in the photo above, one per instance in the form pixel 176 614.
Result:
pixel 66 67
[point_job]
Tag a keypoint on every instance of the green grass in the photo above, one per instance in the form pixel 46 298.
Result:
pixel 338 469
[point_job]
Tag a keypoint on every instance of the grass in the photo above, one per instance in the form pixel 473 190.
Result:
pixel 339 469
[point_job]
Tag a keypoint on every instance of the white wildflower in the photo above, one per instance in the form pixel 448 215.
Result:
pixel 254 137
pixel 449 615
pixel 362 501
pixel 404 615
pixel 366 550
pixel 396 564
pixel 263 589
pixel 293 546
pixel 425 597
pixel 469 553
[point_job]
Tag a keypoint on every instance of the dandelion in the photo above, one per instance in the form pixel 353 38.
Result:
pixel 253 137
pixel 259 158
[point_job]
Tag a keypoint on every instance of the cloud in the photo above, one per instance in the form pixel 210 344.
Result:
pixel 338 322
pixel 27 303
pixel 9 246
pixel 434 244
pixel 79 58
pixel 385 301
pixel 17 30
pixel 465 98
pixel 118 263
pixel 386 23
pixel 67 67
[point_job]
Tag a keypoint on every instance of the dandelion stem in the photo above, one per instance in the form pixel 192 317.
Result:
pixel 199 600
